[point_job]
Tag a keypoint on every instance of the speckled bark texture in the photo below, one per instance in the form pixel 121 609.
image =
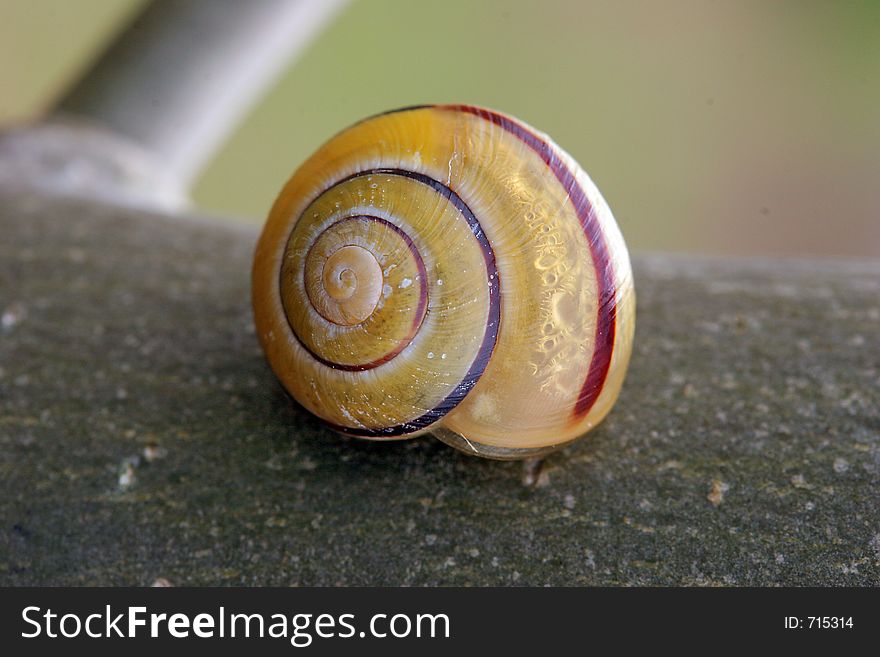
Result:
pixel 142 435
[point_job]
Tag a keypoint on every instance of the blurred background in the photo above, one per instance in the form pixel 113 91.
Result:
pixel 746 127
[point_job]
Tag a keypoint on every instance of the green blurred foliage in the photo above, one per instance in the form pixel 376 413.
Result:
pixel 722 127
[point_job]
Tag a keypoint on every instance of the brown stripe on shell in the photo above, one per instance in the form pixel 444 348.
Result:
pixel 490 336
pixel 607 300
pixel 420 309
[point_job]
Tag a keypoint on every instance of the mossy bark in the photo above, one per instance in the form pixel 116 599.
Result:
pixel 142 435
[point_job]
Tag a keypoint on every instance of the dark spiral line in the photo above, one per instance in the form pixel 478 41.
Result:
pixel 420 309
pixel 490 336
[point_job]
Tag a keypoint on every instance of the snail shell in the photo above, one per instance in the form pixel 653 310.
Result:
pixel 446 269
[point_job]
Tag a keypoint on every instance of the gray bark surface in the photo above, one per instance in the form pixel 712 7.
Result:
pixel 143 436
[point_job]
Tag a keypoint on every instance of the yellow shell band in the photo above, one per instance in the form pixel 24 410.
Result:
pixel 446 266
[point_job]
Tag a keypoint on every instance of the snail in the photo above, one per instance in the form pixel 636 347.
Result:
pixel 446 269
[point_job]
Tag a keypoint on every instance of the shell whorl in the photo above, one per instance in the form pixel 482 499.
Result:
pixel 345 286
pixel 448 267
pixel 383 315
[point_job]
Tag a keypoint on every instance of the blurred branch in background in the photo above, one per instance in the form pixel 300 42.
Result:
pixel 183 75
pixel 174 84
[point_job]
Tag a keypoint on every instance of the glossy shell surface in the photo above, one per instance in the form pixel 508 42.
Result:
pixel 449 269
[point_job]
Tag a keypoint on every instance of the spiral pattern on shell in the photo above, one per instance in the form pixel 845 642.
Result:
pixel 446 269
